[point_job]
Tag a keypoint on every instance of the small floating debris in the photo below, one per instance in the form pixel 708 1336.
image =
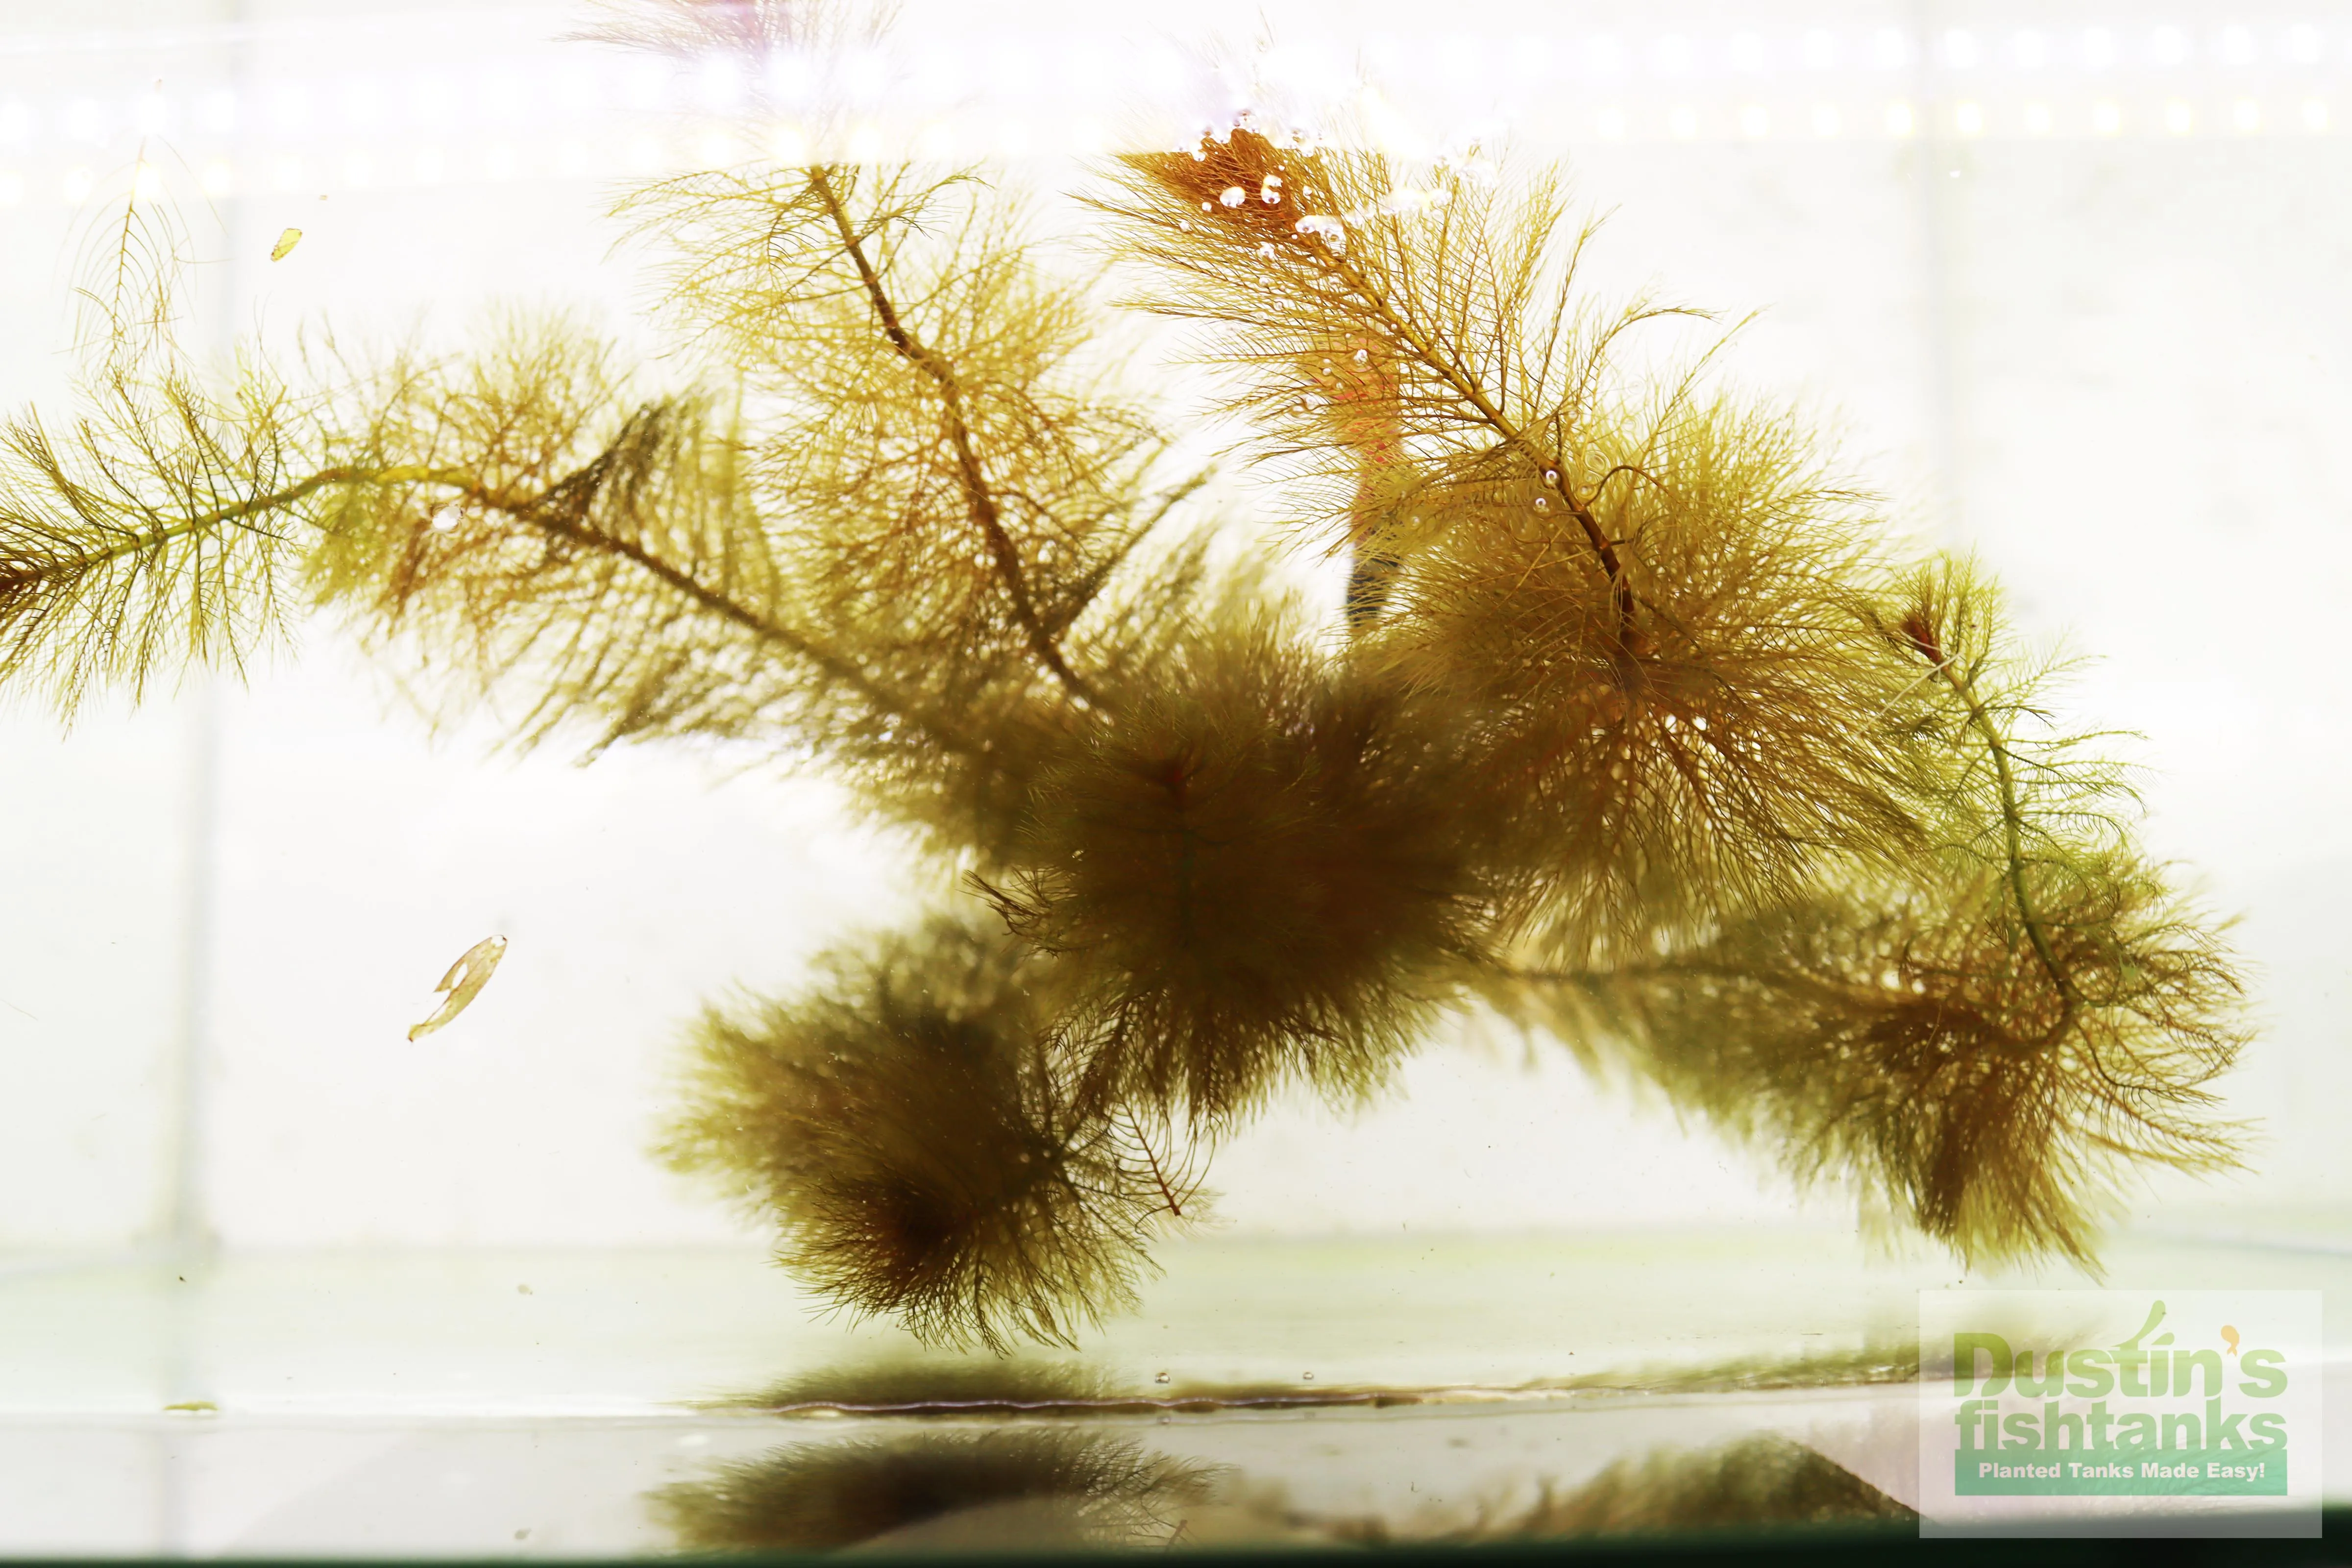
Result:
pixel 464 982
pixel 286 244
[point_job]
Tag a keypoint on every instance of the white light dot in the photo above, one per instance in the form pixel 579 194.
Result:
pixel 1969 120
pixel 1960 49
pixel 436 103
pixel 1827 121
pixel 1683 121
pixel 1821 51
pixel 2098 47
pixel 285 174
pixel 865 75
pixel 2037 120
pixel 786 145
pixel 2030 49
pixel 722 81
pixel 289 109
pixel 1900 121
pixel 2304 45
pixel 2106 118
pixel 76 187
pixel 219 178
pixel 1754 121
pixel 428 166
pixel 1460 60
pixel 1611 123
pixel 2314 115
pixel 2246 116
pixel 2180 118
pixel 358 171
pixel 2168 46
pixel 362 104
pixel 1889 49
pixel 2237 46
pixel 147 184
pixel 715 150
pixel 502 163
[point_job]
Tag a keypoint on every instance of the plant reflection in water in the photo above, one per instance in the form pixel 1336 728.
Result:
pixel 1068 1487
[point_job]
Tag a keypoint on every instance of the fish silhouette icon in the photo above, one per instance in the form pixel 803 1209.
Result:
pixel 2230 1338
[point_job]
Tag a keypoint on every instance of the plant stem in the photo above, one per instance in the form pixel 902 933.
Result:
pixel 1629 638
pixel 973 478
pixel 2012 823
pixel 1152 1160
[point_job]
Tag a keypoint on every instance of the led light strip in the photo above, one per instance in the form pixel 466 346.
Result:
pixel 605 113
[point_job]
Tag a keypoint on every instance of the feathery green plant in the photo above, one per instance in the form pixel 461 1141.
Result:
pixel 1637 724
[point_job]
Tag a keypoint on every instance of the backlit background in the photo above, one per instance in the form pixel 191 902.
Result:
pixel 2072 280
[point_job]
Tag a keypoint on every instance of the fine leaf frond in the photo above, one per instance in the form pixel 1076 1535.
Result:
pixel 927 1155
pixel 1907 1049
pixel 144 536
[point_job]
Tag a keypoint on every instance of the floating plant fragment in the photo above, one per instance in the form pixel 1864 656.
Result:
pixel 286 244
pixel 464 983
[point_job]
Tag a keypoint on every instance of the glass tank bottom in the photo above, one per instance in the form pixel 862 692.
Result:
pixel 1459 1388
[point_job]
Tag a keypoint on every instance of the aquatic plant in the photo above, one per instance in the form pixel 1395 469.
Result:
pixel 1637 721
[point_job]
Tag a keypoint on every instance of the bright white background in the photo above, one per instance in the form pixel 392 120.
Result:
pixel 2071 277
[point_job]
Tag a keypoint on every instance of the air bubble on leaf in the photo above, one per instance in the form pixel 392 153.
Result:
pixel 1699 722
pixel 1162 1378
pixel 1363 356
pixel 1204 206
pixel 1233 196
pixel 1551 476
pixel 1327 229
pixel 1182 227
pixel 445 520
pixel 1543 503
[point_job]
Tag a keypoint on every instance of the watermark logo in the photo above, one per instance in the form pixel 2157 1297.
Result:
pixel 2119 1412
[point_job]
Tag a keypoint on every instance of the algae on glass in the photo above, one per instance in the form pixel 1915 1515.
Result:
pixel 1639 722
